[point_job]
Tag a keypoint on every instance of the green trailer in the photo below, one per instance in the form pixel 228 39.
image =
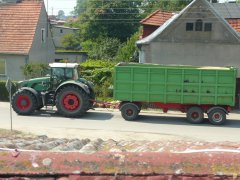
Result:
pixel 194 90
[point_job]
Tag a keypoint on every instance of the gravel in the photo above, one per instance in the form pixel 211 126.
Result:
pixel 43 143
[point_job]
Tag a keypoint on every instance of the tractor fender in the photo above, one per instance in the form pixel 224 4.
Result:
pixel 217 107
pixel 126 103
pixel 79 84
pixel 34 92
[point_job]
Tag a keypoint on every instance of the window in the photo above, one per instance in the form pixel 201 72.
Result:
pixel 2 67
pixel 207 27
pixel 199 25
pixel 189 27
pixel 43 35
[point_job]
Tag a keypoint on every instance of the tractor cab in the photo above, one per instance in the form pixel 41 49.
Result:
pixel 61 72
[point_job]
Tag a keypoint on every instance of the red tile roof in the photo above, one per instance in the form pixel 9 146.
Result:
pixel 18 22
pixel 235 23
pixel 157 18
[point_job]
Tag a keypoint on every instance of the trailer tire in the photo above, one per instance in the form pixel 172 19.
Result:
pixel 129 111
pixel 217 116
pixel 72 101
pixel 195 115
pixel 24 102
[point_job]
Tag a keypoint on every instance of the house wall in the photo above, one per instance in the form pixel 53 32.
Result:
pixel 195 54
pixel 13 66
pixel 175 45
pixel 72 57
pixel 148 29
pixel 42 51
pixel 58 33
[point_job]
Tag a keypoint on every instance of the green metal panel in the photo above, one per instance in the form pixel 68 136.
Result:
pixel 175 84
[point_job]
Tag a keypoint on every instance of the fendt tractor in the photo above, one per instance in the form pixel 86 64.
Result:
pixel 61 87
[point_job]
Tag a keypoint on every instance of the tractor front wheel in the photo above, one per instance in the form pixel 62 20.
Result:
pixel 24 102
pixel 72 101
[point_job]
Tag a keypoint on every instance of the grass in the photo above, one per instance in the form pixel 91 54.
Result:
pixel 4 133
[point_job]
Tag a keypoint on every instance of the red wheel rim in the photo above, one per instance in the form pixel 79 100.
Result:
pixel 129 112
pixel 70 102
pixel 217 117
pixel 23 102
pixel 195 115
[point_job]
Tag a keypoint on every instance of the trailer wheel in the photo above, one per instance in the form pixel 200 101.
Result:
pixel 217 117
pixel 129 111
pixel 195 115
pixel 72 101
pixel 24 102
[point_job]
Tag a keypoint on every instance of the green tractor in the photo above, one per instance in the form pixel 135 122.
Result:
pixel 61 87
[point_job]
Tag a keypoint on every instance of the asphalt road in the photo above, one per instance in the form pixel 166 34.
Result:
pixel 108 124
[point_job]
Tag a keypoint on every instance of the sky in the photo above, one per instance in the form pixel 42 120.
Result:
pixel 68 5
pixel 55 5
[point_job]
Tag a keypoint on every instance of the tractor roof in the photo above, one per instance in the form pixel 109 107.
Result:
pixel 63 65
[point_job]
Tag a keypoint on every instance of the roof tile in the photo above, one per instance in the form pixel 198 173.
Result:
pixel 157 18
pixel 235 23
pixel 18 24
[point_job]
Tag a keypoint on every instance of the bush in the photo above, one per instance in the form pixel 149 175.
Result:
pixel 128 52
pixel 103 48
pixel 33 70
pixel 4 95
pixel 100 73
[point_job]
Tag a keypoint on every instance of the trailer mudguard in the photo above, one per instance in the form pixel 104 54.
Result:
pixel 217 107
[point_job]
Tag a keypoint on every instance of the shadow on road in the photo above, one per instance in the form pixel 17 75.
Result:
pixel 230 123
pixel 101 116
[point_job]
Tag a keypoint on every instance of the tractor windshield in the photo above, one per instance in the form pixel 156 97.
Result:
pixel 66 73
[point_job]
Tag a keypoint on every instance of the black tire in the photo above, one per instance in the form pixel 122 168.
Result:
pixel 129 111
pixel 72 101
pixel 217 116
pixel 195 115
pixel 39 107
pixel 24 102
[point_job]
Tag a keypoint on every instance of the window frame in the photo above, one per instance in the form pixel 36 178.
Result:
pixel 205 27
pixel 43 35
pixel 188 24
pixel 199 25
pixel 5 67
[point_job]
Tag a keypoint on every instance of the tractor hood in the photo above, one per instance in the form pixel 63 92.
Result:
pixel 35 83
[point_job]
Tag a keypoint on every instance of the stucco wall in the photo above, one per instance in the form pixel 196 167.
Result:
pixel 58 33
pixel 195 54
pixel 42 52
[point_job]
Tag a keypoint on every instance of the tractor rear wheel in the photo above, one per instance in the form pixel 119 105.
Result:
pixel 24 102
pixel 72 101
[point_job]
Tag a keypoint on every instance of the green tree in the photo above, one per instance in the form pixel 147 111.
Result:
pixel 80 7
pixel 70 41
pixel 61 14
pixel 150 6
pixel 114 19
pixel 128 52
pixel 103 48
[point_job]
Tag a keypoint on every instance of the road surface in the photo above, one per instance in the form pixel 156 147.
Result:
pixel 108 124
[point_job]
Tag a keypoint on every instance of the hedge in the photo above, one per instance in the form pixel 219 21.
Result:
pixel 4 95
